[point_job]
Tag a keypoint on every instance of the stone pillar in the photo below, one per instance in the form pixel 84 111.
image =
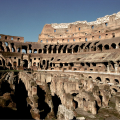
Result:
pixel 116 68
pixel 117 46
pixel 27 50
pixel 66 50
pixel 20 50
pixel 108 68
pixel 57 51
pixel 61 50
pixel 51 51
pixel 72 50
pixel 47 51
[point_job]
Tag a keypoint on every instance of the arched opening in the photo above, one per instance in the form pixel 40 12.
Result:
pixel 76 48
pixel 113 45
pixel 35 50
pixel 24 49
pixel 116 81
pixel 61 65
pixel 99 47
pixel 2 48
pixel 60 48
pixel 106 47
pixel 43 62
pixel 93 48
pixel 25 63
pixel 89 77
pixel 114 90
pixel 21 95
pixel 40 51
pixel 107 80
pixel 9 64
pixel 42 105
pixel 15 64
pixel 34 64
pixel 98 79
pixel 45 50
pixel 54 49
pixel 8 50
pixel 75 104
pixel 64 49
pixel 56 102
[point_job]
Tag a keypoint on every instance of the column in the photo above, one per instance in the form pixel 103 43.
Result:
pixel 108 68
pixel 66 50
pixel 116 67
pixel 61 50
pixel 72 50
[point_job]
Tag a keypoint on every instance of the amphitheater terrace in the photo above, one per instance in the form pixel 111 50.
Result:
pixel 72 72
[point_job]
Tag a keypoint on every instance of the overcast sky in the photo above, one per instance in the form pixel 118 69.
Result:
pixel 27 18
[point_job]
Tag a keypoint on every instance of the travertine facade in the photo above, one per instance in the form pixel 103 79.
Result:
pixel 88 52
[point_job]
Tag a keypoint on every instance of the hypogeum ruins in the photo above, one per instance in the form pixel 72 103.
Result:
pixel 72 72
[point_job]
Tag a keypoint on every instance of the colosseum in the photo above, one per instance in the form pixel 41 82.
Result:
pixel 72 72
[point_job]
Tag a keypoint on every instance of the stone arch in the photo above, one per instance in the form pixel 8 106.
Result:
pixel 25 63
pixel 99 47
pixel 116 81
pixel 9 62
pixel 64 48
pixel 98 79
pixel 76 48
pixel 113 45
pixel 107 80
pixel 15 64
pixel 8 50
pixel 106 47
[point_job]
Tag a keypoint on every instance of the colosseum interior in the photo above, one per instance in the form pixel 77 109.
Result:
pixel 72 72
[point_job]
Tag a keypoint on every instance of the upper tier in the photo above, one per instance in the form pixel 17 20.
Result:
pixel 103 28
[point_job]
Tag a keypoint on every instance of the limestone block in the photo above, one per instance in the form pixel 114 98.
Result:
pixel 48 78
pixel 67 114
pixel 34 90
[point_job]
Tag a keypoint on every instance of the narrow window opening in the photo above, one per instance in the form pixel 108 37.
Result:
pixel 68 40
pixel 58 59
pixel 92 26
pixel 18 39
pixel 52 58
pixel 92 37
pixel 5 37
pixel 79 39
pixel 106 24
pixel 6 43
pixel 113 35
pixel 41 41
pixel 106 35
pixel 85 39
pixel 34 58
pixel 73 39
pixel 55 30
pixel 11 38
pixel 99 36
pixel 79 28
pixel 46 40
pixel 0 36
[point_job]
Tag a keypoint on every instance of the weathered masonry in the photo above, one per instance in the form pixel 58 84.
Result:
pixel 89 51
